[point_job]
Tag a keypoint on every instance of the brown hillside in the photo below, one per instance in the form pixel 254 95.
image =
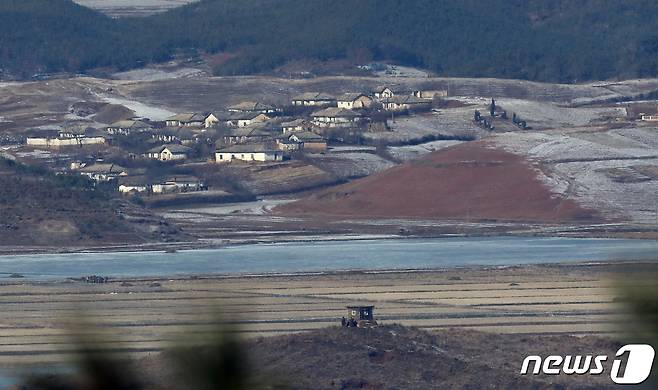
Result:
pixel 471 181
pixel 397 357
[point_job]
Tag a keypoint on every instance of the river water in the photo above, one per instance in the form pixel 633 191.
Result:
pixel 331 256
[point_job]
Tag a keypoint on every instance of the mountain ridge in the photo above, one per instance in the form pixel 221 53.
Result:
pixel 542 40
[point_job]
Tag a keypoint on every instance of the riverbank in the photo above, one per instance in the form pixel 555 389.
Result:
pixel 255 231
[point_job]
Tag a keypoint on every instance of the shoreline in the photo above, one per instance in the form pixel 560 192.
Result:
pixel 287 239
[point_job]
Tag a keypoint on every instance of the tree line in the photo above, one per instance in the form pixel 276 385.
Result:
pixel 544 40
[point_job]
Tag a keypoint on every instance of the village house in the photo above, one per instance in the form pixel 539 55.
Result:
pixel 402 103
pixel 179 184
pixel 73 132
pixel 169 134
pixel 243 119
pixel 103 172
pixel 199 120
pixel 247 135
pixel 249 153
pixel 253 107
pixel 296 125
pixel 128 127
pixel 169 153
pixel 133 184
pixel 314 99
pixel 642 111
pixel 310 142
pixel 63 138
pixel 352 101
pixel 382 93
pixel 430 94
pixel 287 145
pixel 336 117
pixel 236 136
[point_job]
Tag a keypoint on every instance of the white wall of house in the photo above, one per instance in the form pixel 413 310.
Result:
pixel 312 102
pixel 210 121
pixel 225 157
pixel 430 94
pixel 292 129
pixel 360 102
pixel 384 94
pixel 167 155
pixel 125 189
pixel 172 187
pixel 331 121
pixel 59 142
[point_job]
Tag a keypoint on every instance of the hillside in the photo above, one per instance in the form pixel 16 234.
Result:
pixel 467 182
pixel 548 40
pixel 40 208
pixel 384 357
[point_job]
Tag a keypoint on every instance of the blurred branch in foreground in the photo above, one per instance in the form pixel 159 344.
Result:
pixel 209 361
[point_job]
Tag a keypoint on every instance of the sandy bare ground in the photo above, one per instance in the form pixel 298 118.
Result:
pixel 145 316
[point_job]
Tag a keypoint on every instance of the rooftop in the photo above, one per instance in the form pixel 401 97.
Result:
pixel 336 112
pixel 130 124
pixel 189 117
pixel 249 148
pixel 315 96
pixel 103 168
pixel 350 97
pixel 251 106
pixel 174 148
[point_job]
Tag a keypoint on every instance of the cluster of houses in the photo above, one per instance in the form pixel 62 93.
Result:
pixel 249 132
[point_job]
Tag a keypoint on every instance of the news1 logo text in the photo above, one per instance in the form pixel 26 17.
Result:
pixel 632 364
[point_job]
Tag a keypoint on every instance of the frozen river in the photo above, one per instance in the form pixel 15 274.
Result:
pixel 331 256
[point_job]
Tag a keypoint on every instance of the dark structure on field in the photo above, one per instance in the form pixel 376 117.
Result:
pixel 360 316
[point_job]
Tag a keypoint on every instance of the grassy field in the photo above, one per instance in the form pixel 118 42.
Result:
pixel 145 316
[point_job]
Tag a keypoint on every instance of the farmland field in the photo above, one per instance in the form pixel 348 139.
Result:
pixel 145 316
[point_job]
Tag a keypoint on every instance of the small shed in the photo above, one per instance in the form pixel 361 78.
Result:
pixel 360 316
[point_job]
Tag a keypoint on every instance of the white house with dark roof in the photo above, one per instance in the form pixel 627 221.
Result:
pixel 102 172
pixel 295 126
pixel 249 153
pixel 133 184
pixel 352 101
pixel 256 107
pixel 68 137
pixel 430 93
pixel 243 119
pixel 178 184
pixel 193 119
pixel 336 117
pixel 169 153
pixel 309 141
pixel 314 99
pixel 383 93
pixel 128 127
pixel 405 102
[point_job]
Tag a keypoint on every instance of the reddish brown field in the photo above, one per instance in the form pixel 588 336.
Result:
pixel 468 182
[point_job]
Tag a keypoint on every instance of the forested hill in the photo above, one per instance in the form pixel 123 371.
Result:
pixel 547 40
